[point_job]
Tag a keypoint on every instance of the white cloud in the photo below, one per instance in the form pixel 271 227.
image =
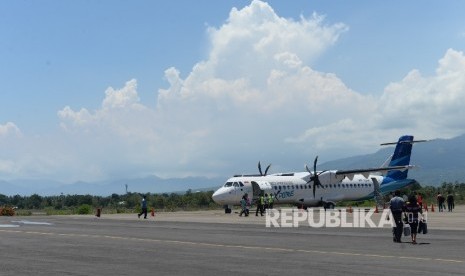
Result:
pixel 429 106
pixel 256 97
pixel 9 129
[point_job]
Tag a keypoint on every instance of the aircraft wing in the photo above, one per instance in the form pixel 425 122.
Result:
pixel 366 172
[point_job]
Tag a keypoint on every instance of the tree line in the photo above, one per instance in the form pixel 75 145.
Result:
pixel 130 202
pixel 115 203
pixel 429 193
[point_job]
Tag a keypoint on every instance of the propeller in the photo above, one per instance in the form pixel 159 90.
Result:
pixel 260 169
pixel 314 176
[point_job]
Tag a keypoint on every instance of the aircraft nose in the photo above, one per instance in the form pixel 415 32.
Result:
pixel 218 196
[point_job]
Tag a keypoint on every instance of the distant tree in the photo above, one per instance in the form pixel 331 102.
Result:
pixel 34 201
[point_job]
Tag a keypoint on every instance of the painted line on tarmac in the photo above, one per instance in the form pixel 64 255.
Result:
pixel 27 222
pixel 277 249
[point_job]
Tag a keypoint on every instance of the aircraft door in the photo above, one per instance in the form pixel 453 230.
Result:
pixel 260 187
pixel 256 190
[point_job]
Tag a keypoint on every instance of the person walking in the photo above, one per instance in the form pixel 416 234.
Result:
pixel 420 200
pixel 260 203
pixel 247 204
pixel 450 202
pixel 243 206
pixel 440 201
pixel 412 209
pixel 396 204
pixel 143 207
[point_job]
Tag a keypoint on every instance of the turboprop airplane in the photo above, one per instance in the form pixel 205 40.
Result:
pixel 322 188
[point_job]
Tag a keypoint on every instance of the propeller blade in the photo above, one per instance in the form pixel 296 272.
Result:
pixel 308 170
pixel 314 164
pixel 314 176
pixel 316 181
pixel 260 168
pixel 266 170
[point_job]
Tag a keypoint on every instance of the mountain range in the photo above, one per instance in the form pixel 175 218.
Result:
pixel 437 161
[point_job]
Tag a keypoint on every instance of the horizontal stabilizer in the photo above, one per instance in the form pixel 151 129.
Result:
pixel 403 142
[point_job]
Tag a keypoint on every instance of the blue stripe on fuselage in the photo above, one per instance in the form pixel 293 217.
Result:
pixel 390 186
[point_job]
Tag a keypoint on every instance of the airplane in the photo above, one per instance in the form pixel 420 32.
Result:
pixel 323 188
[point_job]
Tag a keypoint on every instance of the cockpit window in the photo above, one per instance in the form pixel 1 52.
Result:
pixel 228 184
pixel 240 183
pixel 236 184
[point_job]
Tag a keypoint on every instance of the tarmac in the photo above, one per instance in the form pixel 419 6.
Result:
pixel 212 243
pixel 436 220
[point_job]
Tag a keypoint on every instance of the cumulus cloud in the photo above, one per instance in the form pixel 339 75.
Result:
pixel 9 133
pixel 242 98
pixel 430 106
pixel 9 129
pixel 256 97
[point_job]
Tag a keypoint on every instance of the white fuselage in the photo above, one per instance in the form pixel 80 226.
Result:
pixel 292 188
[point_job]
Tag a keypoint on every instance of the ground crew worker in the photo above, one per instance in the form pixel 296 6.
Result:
pixel 265 206
pixel 247 204
pixel 270 201
pixel 397 206
pixel 260 203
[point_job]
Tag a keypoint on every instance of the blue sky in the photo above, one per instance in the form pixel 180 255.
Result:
pixel 95 90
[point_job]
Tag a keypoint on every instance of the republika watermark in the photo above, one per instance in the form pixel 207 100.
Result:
pixel 357 218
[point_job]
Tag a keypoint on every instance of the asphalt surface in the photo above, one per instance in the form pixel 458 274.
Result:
pixel 189 243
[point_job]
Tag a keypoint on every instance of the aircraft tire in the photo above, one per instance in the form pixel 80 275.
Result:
pixel 330 205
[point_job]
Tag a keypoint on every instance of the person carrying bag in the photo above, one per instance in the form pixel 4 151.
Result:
pixel 412 211
pixel 407 230
pixel 422 227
